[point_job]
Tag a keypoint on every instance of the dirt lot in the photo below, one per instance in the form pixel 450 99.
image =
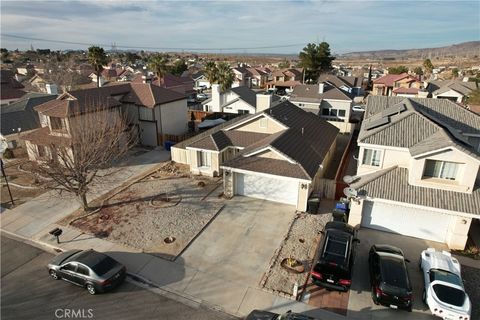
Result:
pixel 23 185
pixel 159 214
pixel 300 243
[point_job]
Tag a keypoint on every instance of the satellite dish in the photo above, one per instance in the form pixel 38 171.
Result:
pixel 350 192
pixel 362 194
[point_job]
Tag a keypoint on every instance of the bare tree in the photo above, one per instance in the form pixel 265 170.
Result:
pixel 91 141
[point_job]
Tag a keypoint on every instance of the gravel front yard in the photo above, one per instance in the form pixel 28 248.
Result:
pixel 159 214
pixel 300 243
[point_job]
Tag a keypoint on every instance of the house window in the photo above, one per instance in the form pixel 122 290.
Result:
pixel 441 169
pixel 240 111
pixel 371 157
pixel 204 159
pixel 41 151
pixel 334 113
pixel 57 124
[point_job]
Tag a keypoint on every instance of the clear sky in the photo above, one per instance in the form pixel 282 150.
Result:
pixel 240 26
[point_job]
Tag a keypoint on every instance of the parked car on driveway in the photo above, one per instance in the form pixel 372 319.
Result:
pixel 389 278
pixel 444 292
pixel 90 269
pixel 267 315
pixel 333 268
pixel 358 108
pixel 202 96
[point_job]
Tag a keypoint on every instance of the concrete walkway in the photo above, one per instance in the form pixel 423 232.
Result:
pixel 33 220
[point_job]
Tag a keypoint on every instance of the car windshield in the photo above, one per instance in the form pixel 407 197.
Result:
pixel 394 272
pixel 104 265
pixel 449 295
pixel 442 275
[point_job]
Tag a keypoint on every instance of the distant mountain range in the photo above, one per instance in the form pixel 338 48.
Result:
pixel 465 49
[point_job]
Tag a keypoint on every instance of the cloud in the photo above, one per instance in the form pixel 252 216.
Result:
pixel 346 25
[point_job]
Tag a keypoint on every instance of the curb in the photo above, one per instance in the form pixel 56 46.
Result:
pixel 133 278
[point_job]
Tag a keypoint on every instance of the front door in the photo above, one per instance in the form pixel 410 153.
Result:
pixel 148 133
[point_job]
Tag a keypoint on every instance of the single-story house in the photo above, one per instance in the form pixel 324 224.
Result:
pixel 454 90
pixel 278 154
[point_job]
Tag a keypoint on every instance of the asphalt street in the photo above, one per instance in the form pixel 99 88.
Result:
pixel 27 292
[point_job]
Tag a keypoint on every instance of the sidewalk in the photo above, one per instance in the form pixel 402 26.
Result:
pixel 33 220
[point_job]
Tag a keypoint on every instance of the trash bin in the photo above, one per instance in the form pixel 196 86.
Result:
pixel 168 145
pixel 339 215
pixel 313 204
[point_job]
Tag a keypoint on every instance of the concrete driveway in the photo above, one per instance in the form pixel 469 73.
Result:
pixel 360 305
pixel 234 251
pixel 241 240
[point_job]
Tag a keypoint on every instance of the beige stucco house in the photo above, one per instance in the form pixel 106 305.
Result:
pixel 153 110
pixel 418 169
pixel 278 154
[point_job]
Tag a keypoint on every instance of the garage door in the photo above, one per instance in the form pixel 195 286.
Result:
pixel 279 190
pixel 411 222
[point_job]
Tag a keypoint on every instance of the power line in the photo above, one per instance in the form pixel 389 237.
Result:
pixel 152 48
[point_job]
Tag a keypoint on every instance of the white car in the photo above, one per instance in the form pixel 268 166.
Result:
pixel 444 292
pixel 358 108
pixel 202 96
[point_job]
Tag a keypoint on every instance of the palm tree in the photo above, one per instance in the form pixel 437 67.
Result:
pixel 211 72
pixel 158 63
pixel 97 58
pixel 225 76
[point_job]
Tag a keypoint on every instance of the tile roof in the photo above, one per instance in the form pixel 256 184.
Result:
pixel 21 114
pixel 306 141
pixel 406 90
pixel 80 101
pixel 438 87
pixel 338 81
pixel 309 93
pixel 267 165
pixel 43 137
pixel 222 139
pixel 392 184
pixel 10 88
pixel 246 94
pixel 390 79
pixel 424 125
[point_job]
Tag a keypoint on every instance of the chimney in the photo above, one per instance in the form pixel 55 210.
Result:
pixel 102 81
pixel 264 101
pixel 321 87
pixel 216 98
pixel 51 88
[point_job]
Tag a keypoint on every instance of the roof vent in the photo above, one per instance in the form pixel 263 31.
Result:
pixel 377 123
pixel 395 109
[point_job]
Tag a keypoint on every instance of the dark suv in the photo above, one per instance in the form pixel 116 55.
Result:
pixel 333 269
pixel 389 277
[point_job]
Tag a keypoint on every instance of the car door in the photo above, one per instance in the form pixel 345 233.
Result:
pixel 68 270
pixel 81 274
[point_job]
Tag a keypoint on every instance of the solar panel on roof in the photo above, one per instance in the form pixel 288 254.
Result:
pixel 398 108
pixel 377 123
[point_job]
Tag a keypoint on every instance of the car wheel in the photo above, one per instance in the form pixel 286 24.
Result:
pixel 53 274
pixel 420 263
pixel 91 289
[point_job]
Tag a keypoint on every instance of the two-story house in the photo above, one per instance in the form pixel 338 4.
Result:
pixel 155 111
pixel 353 85
pixel 238 100
pixel 418 169
pixel 278 154
pixel 397 84
pixel 286 78
pixel 326 101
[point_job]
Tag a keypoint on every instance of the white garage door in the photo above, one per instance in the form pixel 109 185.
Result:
pixel 279 190
pixel 411 222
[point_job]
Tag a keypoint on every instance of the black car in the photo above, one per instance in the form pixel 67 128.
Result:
pixel 90 269
pixel 389 277
pixel 267 315
pixel 333 269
